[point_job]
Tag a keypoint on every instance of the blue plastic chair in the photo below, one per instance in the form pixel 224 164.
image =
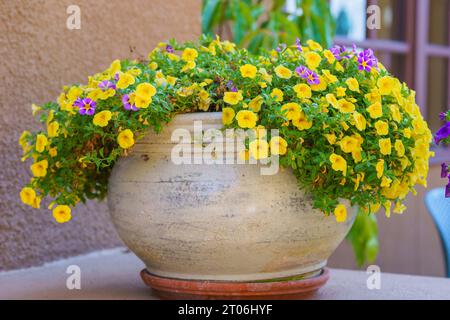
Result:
pixel 439 208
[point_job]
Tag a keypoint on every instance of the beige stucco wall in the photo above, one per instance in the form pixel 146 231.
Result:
pixel 38 55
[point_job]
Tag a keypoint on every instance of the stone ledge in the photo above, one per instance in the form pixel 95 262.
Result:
pixel 114 274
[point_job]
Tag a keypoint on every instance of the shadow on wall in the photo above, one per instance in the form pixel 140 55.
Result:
pixel 40 55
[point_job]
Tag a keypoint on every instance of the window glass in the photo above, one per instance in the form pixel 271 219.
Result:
pixel 350 18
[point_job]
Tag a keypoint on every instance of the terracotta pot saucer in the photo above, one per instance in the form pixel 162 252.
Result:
pixel 168 288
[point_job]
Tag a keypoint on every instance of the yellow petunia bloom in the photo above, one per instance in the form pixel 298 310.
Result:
pixel 283 72
pixel 259 149
pixel 330 56
pixel 385 146
pixel 303 91
pixel 385 182
pixel 62 213
pixel 145 91
pixel 125 139
pixel 382 128
pixel 399 148
pixel 331 138
pixel 171 80
pixel 41 142
pixel 125 80
pixel 256 103
pixel 338 163
pixel 395 113
pixel 352 84
pixel 314 45
pixel 53 152
pixel 407 133
pixel 385 85
pixel 141 102
pixel 302 122
pixel 102 118
pixel 227 116
pixel 278 146
pixel 189 54
pixel 27 195
pixel 340 212
pixel 399 207
pixel 330 77
pixel 375 110
pixel 246 119
pixel 345 106
pixel 39 169
pixel 349 144
pixel 291 110
pixel 380 168
pixel 360 121
pixel 232 98
pixel 340 91
pixel 331 99
pixel 312 60
pixel 277 94
pixel 248 71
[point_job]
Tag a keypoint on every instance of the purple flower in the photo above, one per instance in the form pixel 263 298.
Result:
pixel 442 116
pixel 281 47
pixel 337 51
pixel 367 60
pixel 169 49
pixel 116 76
pixel 447 189
pixel 298 44
pixel 444 170
pixel 312 77
pixel 127 103
pixel 106 84
pixel 85 106
pixel 302 71
pixel 442 133
pixel 231 87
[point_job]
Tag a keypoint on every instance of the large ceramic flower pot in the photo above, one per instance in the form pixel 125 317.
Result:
pixel 216 222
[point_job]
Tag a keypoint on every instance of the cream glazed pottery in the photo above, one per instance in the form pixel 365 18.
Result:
pixel 216 221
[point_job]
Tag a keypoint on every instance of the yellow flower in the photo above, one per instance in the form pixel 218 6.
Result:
pixel 248 71
pixel 114 67
pixel 340 212
pixel 345 106
pixel 259 149
pixel 141 102
pixel 330 56
pixel 339 67
pixel 23 139
pixel 338 163
pixel 227 115
pixel 171 80
pixel 277 94
pixel 102 118
pixel 385 85
pixel 265 75
pixel 256 103
pixel 283 72
pixel 340 91
pixel 399 207
pixel 41 142
pixel 331 138
pixel 27 195
pixel 189 54
pixel 39 169
pixel 303 91
pixel 331 99
pixel 323 84
pixel 291 110
pixel 360 121
pixel 232 98
pixel 395 113
pixel 302 122
pixel 375 110
pixel 278 146
pixel 246 119
pixel 312 60
pixel 349 144
pixel 387 207
pixel 399 148
pixel 204 95
pixel 188 66
pixel 385 146
pixel 382 128
pixel 314 45
pixel 35 109
pixel 153 65
pixel 145 91
pixel 62 213
pixel 385 182
pixel 53 152
pixel 36 203
pixel 125 139
pixel 352 84
pixel 125 80
pixel 380 168
pixel 330 77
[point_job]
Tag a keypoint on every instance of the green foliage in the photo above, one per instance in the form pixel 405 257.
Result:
pixel 364 238
pixel 257 24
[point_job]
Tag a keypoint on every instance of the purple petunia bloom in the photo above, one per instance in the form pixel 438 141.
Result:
pixel 442 116
pixel 442 133
pixel 298 44
pixel 106 84
pixel 367 60
pixel 447 189
pixel 116 76
pixel 86 106
pixel 169 49
pixel 281 47
pixel 444 170
pixel 231 87
pixel 337 51
pixel 302 71
pixel 312 77
pixel 127 104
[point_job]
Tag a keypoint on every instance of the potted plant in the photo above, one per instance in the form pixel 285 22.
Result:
pixel 347 135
